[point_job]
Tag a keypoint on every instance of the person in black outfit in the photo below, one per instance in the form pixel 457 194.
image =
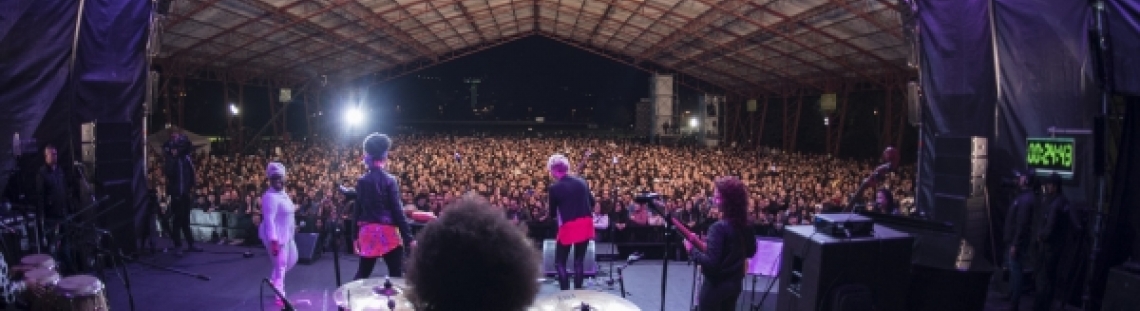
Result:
pixel 570 202
pixel 179 172
pixel 382 226
pixel 730 243
pixel 53 199
pixel 1060 220
pixel 1018 230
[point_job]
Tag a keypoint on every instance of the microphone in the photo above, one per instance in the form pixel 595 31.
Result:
pixel 285 301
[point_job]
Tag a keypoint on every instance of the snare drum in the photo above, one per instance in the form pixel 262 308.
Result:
pixel 40 284
pixel 33 262
pixel 81 293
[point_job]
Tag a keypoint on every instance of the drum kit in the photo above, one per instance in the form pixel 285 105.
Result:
pixel 391 294
pixel 37 285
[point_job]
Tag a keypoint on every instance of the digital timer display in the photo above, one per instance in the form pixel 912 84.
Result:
pixel 1051 155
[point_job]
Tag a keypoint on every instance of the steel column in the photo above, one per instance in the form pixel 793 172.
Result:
pixel 181 102
pixel 787 141
pixel 843 107
pixel 763 122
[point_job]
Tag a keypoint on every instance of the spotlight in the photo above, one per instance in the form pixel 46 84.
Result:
pixel 354 116
pixel 234 109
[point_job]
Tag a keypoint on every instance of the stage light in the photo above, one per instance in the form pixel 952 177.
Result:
pixel 354 116
pixel 234 109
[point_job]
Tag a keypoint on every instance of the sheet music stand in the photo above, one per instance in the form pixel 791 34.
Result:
pixel 766 262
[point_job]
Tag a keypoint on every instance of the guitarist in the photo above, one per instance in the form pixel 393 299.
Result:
pixel 724 253
pixel 570 202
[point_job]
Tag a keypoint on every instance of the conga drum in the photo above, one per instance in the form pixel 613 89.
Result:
pixel 33 262
pixel 40 284
pixel 80 293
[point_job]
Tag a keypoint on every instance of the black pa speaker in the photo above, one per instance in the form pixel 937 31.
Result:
pixel 591 268
pixel 308 247
pixel 822 272
pixel 1120 290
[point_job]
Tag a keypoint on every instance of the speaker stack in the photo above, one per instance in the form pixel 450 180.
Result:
pixel 822 272
pixel 960 165
pixel 111 149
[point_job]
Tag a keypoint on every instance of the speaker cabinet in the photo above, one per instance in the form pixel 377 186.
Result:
pixel 1120 291
pixel 308 247
pixel 591 268
pixel 821 272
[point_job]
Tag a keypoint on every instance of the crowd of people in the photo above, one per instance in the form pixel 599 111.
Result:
pixel 434 170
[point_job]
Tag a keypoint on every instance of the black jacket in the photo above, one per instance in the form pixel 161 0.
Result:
pixel 1060 220
pixel 1017 220
pixel 378 201
pixel 570 197
pixel 53 192
pixel 178 168
pixel 728 251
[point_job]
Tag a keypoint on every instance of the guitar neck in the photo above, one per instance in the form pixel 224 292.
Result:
pixel 689 235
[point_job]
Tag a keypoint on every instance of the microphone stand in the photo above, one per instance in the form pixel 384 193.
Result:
pixel 652 204
pixel 336 232
pixel 117 259
pixel 280 295
pixel 875 175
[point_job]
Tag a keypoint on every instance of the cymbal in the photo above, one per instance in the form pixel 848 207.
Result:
pixel 371 295
pixel 573 299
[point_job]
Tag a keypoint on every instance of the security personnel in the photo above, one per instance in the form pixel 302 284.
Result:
pixel 1059 220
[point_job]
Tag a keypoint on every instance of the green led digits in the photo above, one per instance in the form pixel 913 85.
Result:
pixel 1054 154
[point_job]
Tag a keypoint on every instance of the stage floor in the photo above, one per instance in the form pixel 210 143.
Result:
pixel 235 283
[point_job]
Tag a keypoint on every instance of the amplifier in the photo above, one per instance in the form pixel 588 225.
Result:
pixel 844 225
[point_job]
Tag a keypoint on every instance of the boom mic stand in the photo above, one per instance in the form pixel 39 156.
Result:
pixel 651 201
pixel 119 254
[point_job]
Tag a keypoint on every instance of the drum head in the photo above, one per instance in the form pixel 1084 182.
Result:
pixel 79 285
pixel 41 277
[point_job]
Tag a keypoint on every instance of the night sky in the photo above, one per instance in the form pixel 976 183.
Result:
pixel 531 77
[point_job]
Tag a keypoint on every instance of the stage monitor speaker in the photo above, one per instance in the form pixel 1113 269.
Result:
pixel 308 247
pixel 591 268
pixel 1120 290
pixel 821 272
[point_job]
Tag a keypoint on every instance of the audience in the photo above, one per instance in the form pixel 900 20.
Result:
pixel 435 170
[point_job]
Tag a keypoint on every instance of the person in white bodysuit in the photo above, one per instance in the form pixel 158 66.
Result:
pixel 278 225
